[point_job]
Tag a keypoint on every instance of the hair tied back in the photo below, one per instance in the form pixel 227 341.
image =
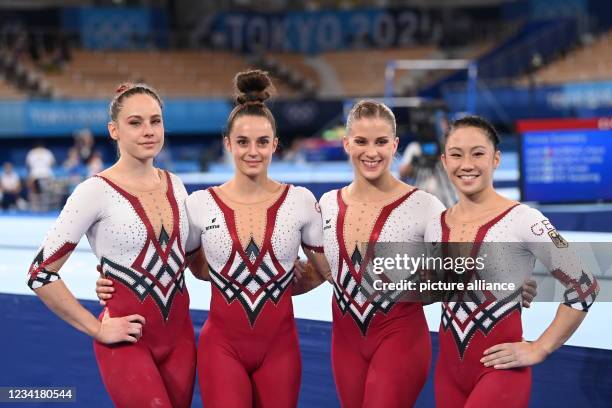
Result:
pixel 123 87
pixel 252 87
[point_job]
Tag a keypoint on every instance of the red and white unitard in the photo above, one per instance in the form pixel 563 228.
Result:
pixel 248 352
pixel 521 235
pixel 139 238
pixel 381 349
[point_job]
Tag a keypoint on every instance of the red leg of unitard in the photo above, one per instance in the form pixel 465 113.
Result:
pixel 276 382
pixel 466 382
pixel 143 375
pixel 398 370
pixel 244 374
pixel 386 368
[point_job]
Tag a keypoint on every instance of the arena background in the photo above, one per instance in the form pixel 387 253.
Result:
pixel 539 69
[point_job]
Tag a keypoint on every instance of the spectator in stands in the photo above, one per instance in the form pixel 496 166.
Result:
pixel 10 186
pixel 40 163
pixel 95 164
pixel 84 144
pixel 73 168
pixel 72 161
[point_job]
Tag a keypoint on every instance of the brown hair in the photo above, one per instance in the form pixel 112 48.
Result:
pixel 252 88
pixel 126 90
pixel 368 108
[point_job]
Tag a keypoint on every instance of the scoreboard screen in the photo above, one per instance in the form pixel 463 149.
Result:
pixel 566 160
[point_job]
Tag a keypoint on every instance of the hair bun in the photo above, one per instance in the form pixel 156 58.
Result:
pixel 123 87
pixel 252 86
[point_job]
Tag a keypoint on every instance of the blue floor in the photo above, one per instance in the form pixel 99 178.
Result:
pixel 38 349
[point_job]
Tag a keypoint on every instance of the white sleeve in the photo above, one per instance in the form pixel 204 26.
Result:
pixel 431 208
pixel 194 238
pixel 542 239
pixel 432 233
pixel 312 228
pixel 435 207
pixel 82 210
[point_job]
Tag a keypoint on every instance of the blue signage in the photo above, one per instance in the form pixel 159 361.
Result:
pixel 116 28
pixel 507 104
pixel 319 31
pixel 61 118
pixel 565 166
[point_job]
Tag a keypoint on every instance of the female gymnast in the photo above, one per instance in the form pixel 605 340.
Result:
pixel 381 348
pixel 135 220
pixel 483 358
pixel 250 230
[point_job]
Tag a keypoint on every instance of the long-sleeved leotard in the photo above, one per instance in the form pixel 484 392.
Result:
pixel 381 349
pixel 521 235
pixel 139 239
pixel 248 352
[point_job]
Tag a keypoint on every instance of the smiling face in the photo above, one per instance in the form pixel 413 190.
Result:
pixel 252 143
pixel 470 159
pixel 138 128
pixel 370 145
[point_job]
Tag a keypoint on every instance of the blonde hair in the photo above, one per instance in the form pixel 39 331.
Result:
pixel 368 108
